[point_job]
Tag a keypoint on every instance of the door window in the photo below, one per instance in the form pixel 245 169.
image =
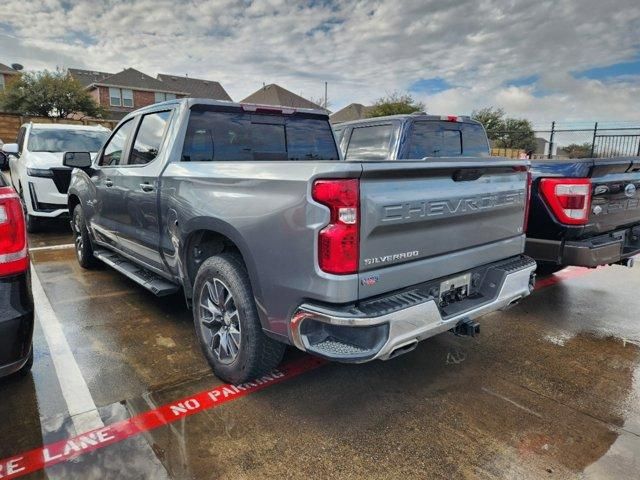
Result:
pixel 149 138
pixel 114 150
pixel 370 143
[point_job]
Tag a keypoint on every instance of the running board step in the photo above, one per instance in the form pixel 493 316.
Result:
pixel 152 282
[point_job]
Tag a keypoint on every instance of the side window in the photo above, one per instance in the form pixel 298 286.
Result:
pixel 149 138
pixel 20 139
pixel 231 133
pixel 370 143
pixel 114 149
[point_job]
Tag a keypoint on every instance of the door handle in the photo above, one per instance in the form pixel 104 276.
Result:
pixel 146 187
pixel 108 182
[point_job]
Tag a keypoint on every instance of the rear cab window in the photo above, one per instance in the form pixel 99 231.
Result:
pixel 371 142
pixel 432 138
pixel 237 135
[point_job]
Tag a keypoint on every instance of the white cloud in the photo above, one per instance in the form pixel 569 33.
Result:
pixel 363 48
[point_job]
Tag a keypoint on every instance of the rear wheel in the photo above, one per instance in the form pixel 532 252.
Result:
pixel 84 248
pixel 227 323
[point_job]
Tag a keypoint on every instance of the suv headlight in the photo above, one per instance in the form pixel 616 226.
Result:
pixel 40 172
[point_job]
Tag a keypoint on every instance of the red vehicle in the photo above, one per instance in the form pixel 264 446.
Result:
pixel 16 300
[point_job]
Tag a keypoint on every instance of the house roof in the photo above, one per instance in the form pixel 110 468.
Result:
pixel 353 111
pixel 195 87
pixel 88 77
pixel 276 95
pixel 127 78
pixel 7 70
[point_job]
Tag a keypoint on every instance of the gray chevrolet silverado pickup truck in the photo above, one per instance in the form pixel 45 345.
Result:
pixel 275 240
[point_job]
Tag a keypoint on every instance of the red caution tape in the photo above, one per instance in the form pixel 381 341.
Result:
pixel 65 450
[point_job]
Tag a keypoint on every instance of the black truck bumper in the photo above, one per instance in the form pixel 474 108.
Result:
pixel 613 247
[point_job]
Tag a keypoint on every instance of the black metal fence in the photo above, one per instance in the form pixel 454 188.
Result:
pixel 607 139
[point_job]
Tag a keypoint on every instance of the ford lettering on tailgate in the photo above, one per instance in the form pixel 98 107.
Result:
pixel 450 207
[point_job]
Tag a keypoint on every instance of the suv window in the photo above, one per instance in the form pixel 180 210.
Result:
pixel 149 138
pixel 61 140
pixel 370 143
pixel 446 139
pixel 113 150
pixel 228 136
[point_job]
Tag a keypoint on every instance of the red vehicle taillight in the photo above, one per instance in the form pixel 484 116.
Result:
pixel 13 236
pixel 569 198
pixel 339 242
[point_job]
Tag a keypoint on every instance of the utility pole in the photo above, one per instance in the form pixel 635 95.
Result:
pixel 553 131
pixel 325 95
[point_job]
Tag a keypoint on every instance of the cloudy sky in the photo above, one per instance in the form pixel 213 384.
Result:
pixel 544 60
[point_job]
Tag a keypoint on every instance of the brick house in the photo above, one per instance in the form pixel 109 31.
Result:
pixel 6 75
pixel 123 92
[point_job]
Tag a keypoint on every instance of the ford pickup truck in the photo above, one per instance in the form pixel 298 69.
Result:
pixel 274 240
pixel 582 212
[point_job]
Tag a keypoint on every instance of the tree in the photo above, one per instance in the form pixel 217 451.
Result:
pixel 505 132
pixel 492 119
pixel 48 94
pixel 575 150
pixel 517 134
pixel 395 103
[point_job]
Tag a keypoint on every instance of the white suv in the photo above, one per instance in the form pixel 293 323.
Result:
pixel 35 165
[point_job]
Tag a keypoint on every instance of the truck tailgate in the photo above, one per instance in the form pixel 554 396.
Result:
pixel 616 194
pixel 425 220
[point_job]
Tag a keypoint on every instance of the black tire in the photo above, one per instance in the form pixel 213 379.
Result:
pixel 24 371
pixel 545 269
pixel 34 224
pixel 256 354
pixel 84 247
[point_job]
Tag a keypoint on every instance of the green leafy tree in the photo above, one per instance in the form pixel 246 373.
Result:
pixel 576 150
pixel 395 103
pixel 518 133
pixel 505 132
pixel 48 94
pixel 492 119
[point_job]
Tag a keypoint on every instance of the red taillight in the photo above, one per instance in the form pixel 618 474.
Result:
pixel 339 241
pixel 569 198
pixel 13 236
pixel 452 118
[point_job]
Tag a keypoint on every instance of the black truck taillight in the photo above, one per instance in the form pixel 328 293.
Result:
pixel 339 241
pixel 568 198
pixel 13 236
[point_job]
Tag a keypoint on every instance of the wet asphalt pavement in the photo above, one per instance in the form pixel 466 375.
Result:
pixel 550 389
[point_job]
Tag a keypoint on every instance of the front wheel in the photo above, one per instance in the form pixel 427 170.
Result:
pixel 33 223
pixel 227 323
pixel 84 248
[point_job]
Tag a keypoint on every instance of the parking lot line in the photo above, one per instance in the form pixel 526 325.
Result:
pixel 53 247
pixel 75 391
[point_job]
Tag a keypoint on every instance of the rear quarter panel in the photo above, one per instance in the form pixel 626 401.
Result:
pixel 266 209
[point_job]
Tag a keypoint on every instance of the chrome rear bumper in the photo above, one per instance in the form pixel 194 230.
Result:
pixel 396 332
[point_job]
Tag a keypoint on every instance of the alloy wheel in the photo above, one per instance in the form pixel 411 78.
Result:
pixel 220 321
